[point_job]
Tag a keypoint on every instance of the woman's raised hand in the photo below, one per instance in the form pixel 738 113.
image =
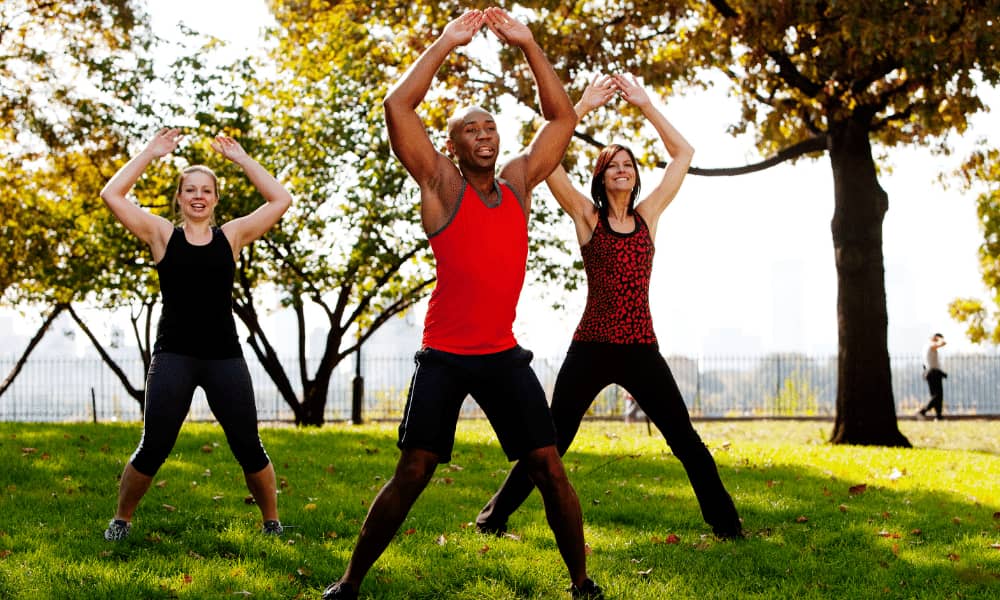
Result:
pixel 597 93
pixel 164 141
pixel 631 90
pixel 229 148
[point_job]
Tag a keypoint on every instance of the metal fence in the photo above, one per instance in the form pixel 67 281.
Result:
pixel 84 389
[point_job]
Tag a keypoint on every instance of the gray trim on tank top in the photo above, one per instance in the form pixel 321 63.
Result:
pixel 465 184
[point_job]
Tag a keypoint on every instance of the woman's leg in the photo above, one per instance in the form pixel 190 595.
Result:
pixel 229 391
pixel 169 389
pixel 651 383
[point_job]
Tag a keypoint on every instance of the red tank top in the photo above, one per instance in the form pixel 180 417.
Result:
pixel 481 255
pixel 618 268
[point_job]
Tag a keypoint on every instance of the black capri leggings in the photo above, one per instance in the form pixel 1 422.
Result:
pixel 170 386
pixel 639 368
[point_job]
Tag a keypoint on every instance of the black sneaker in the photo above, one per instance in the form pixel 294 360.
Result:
pixel 735 533
pixel 117 530
pixel 588 590
pixel 272 527
pixel 340 590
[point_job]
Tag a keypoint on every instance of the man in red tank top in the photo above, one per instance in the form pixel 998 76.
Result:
pixel 477 222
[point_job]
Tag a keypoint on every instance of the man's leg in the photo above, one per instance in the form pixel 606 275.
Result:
pixel 562 508
pixel 580 379
pixel 390 507
pixel 935 383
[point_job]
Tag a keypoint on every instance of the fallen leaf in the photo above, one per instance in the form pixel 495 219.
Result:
pixel 512 536
pixel 28 450
pixel 843 508
pixel 827 492
pixel 310 506
pixel 187 579
pixel 304 571
pixel 195 555
pixel 161 483
pixel 330 469
pixel 956 520
pixel 916 532
pixel 854 490
pixel 217 498
pixel 886 516
pixel 331 534
pixel 484 549
pixel 169 508
pixel 410 531
pixel 45 456
pixel 586 549
pixel 5 553
pixel 953 556
pixel 802 519
pixel 207 449
pixel 895 549
pixel 671 539
pixel 769 483
pixel 105 553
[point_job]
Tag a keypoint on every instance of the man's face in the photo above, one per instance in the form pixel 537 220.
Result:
pixel 474 139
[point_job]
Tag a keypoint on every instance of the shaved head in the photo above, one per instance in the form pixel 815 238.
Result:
pixel 465 114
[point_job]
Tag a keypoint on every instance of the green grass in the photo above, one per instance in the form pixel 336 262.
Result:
pixel 925 526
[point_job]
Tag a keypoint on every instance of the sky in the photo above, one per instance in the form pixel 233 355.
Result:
pixel 744 265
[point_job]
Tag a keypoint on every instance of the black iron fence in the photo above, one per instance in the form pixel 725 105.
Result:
pixel 85 389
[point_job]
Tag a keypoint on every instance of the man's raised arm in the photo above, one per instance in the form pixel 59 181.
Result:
pixel 407 135
pixel 547 148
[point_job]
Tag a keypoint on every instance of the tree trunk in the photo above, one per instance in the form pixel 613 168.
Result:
pixel 35 339
pixel 314 400
pixel 866 411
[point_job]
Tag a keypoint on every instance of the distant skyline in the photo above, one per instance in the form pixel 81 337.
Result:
pixel 745 263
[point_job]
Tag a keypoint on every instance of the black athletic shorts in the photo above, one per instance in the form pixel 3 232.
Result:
pixel 503 385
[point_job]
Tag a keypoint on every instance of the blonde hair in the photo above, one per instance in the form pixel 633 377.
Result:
pixel 178 219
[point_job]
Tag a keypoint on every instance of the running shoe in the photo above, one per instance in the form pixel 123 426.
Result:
pixel 588 590
pixel 117 530
pixel 340 590
pixel 272 527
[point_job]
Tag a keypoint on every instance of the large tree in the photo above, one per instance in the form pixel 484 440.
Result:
pixel 813 78
pixel 71 79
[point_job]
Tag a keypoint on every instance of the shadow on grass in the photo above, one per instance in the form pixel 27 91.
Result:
pixel 809 534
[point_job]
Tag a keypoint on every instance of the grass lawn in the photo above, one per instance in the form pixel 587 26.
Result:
pixel 823 521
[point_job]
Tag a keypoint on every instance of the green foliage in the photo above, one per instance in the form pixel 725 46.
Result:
pixel 823 521
pixel 983 168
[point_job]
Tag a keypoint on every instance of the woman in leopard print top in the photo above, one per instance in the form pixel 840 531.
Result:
pixel 615 342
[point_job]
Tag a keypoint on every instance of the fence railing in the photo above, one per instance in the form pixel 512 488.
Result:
pixel 84 389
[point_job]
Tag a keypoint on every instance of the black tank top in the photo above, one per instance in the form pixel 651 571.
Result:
pixel 196 283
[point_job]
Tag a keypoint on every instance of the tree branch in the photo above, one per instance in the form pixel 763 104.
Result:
pixel 813 144
pixel 136 393
pixel 35 339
